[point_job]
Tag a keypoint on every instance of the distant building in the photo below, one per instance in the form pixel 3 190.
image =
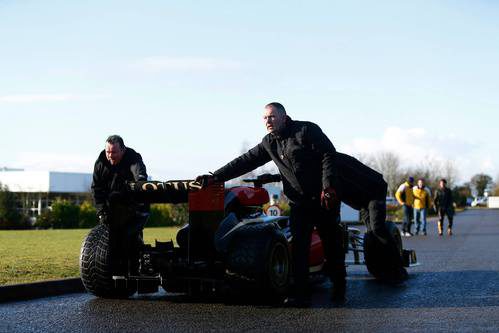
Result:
pixel 36 190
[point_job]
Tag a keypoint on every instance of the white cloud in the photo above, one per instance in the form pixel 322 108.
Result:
pixel 416 146
pixel 44 161
pixel 196 64
pixel 47 98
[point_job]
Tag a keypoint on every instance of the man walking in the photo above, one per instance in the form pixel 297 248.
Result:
pixel 422 202
pixel 444 205
pixel 405 197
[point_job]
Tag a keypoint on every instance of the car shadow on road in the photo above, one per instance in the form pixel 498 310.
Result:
pixel 422 290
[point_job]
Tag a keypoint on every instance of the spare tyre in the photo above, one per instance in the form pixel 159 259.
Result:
pixel 258 261
pixel 95 266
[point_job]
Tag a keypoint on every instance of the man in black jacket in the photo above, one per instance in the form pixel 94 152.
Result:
pixel 306 161
pixel 444 205
pixel 364 189
pixel 115 165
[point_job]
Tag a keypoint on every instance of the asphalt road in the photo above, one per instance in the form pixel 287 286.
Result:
pixel 456 289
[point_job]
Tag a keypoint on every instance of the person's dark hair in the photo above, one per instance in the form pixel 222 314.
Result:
pixel 444 180
pixel 116 139
pixel 278 106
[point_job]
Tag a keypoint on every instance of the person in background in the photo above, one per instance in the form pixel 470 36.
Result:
pixel 405 197
pixel 444 205
pixel 422 204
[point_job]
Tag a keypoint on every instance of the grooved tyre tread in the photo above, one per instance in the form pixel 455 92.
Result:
pixel 95 265
pixel 259 257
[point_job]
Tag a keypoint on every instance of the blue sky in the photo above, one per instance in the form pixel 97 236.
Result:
pixel 185 82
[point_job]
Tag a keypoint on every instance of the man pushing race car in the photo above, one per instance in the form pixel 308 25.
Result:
pixel 316 179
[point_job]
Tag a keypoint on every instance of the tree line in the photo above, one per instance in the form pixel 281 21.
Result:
pixel 64 214
pixel 389 164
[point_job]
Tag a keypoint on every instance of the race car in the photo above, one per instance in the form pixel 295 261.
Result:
pixel 230 246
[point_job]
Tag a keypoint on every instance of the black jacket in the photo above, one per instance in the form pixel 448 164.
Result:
pixel 358 184
pixel 443 199
pixel 107 177
pixel 302 152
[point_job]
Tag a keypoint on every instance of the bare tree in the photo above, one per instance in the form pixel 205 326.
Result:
pixel 388 164
pixel 367 159
pixel 450 173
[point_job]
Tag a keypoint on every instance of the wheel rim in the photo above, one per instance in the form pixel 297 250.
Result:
pixel 279 266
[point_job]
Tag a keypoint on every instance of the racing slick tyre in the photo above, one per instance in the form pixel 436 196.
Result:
pixel 382 261
pixel 259 262
pixel 95 266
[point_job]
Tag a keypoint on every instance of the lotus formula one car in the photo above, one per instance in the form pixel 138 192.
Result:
pixel 229 245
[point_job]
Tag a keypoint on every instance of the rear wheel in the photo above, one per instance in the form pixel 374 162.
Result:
pixel 384 261
pixel 259 261
pixel 95 266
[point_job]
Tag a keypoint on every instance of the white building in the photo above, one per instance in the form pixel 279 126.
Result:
pixel 493 202
pixel 37 189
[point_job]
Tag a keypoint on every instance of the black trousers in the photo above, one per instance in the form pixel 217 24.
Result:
pixel 408 217
pixel 303 219
pixel 374 218
pixel 450 216
pixel 125 239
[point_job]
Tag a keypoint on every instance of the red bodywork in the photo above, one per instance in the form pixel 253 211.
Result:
pixel 316 256
pixel 208 199
pixel 211 199
pixel 251 196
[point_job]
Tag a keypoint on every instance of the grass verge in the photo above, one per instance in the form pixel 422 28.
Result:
pixel 38 255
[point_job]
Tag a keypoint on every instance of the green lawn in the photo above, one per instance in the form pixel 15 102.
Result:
pixel 37 255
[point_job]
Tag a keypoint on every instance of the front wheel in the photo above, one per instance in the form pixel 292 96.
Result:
pixel 384 261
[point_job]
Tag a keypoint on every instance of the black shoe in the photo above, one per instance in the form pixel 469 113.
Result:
pixel 339 288
pixel 398 276
pixel 338 296
pixel 297 302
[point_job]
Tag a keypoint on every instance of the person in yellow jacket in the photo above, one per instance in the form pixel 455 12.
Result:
pixel 405 197
pixel 422 204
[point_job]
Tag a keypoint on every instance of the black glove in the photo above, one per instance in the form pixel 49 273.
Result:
pixel 206 180
pixel 329 198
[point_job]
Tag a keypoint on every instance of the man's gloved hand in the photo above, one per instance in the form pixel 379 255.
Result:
pixel 206 180
pixel 269 178
pixel 329 198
